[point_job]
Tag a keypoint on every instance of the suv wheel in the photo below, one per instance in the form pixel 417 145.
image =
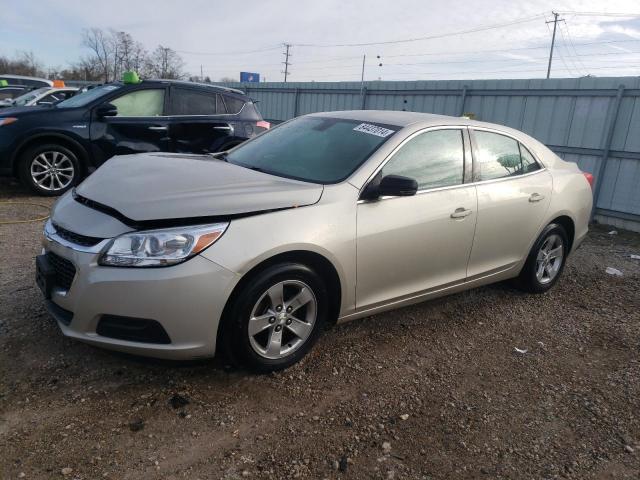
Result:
pixel 545 261
pixel 276 318
pixel 49 169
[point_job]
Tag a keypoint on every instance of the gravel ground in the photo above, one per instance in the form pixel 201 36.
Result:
pixel 436 390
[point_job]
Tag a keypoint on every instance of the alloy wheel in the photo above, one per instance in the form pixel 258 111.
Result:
pixel 52 170
pixel 282 319
pixel 549 259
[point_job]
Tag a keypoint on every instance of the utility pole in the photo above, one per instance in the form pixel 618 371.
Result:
pixel 201 75
pixel 286 61
pixel 364 58
pixel 553 39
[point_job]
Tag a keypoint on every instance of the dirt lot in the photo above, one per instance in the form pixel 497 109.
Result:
pixel 431 391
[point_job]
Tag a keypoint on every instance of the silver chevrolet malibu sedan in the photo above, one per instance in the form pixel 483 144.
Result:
pixel 328 217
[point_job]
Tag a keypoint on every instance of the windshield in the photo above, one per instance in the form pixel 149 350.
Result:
pixel 27 97
pixel 87 97
pixel 313 149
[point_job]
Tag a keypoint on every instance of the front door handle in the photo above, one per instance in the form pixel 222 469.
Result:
pixel 223 127
pixel 461 213
pixel 536 197
pixel 159 128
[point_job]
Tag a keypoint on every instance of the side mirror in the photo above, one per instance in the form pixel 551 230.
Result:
pixel 107 110
pixel 397 186
pixel 390 186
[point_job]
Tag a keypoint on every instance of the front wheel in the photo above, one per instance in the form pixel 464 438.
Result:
pixel 276 318
pixel 546 260
pixel 49 169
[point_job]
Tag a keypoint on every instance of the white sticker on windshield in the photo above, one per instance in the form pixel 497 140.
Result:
pixel 373 130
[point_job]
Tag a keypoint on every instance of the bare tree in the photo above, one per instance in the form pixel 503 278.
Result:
pixel 101 48
pixel 228 79
pixel 165 63
pixel 24 63
pixel 110 53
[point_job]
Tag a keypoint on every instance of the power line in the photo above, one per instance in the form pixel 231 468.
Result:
pixel 430 37
pixel 601 14
pixel 617 67
pixel 565 56
pixel 575 52
pixel 245 52
pixel 499 50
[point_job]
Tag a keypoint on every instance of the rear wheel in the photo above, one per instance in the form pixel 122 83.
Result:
pixel 276 318
pixel 546 260
pixel 49 169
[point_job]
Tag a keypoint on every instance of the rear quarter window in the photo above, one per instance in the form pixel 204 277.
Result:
pixel 234 105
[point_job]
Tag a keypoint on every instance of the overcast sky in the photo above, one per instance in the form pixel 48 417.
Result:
pixel 218 35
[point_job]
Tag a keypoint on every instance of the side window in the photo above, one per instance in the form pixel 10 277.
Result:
pixel 434 159
pixel 10 93
pixel 140 103
pixel 191 102
pixel 51 98
pixel 498 156
pixel 234 105
pixel 529 163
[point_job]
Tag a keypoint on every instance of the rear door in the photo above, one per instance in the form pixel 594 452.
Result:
pixel 514 192
pixel 141 125
pixel 411 245
pixel 198 123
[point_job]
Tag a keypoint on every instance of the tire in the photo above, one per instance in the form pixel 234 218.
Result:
pixel 254 343
pixel 49 169
pixel 535 277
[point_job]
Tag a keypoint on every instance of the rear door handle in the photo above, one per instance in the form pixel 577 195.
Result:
pixel 159 128
pixel 536 197
pixel 460 213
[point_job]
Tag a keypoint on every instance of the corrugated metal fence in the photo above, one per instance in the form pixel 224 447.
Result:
pixel 594 122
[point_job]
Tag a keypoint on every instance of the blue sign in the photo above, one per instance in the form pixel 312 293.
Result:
pixel 249 77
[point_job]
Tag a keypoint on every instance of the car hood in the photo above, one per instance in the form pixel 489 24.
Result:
pixel 149 187
pixel 8 110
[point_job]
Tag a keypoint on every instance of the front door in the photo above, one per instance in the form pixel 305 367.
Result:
pixel 139 126
pixel 513 197
pixel 410 245
pixel 198 121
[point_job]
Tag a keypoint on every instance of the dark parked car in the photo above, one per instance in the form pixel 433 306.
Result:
pixel 17 80
pixel 8 93
pixel 52 148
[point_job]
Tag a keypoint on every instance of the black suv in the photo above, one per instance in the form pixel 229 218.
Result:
pixel 52 148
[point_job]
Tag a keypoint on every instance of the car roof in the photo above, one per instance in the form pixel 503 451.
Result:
pixel 196 84
pixel 403 119
pixel 24 77
pixel 57 89
pixel 390 117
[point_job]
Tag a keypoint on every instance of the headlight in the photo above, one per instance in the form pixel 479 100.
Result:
pixel 160 248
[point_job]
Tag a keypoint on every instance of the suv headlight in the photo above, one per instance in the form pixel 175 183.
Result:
pixel 160 248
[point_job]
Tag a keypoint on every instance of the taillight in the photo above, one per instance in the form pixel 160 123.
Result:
pixel 589 178
pixel 263 124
